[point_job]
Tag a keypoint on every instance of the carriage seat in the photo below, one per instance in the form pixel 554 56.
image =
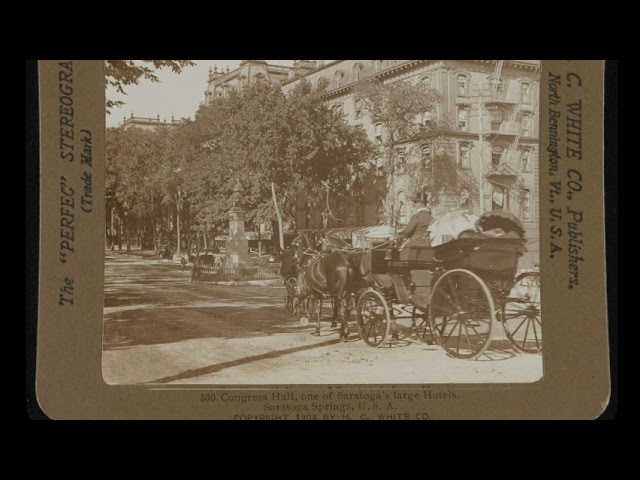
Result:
pixel 419 254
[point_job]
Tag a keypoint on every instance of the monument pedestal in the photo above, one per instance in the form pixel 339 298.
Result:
pixel 237 245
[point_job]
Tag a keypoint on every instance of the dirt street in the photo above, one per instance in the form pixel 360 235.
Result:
pixel 160 328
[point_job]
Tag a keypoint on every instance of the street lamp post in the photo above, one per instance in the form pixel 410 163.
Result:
pixel 179 196
pixel 178 207
pixel 126 226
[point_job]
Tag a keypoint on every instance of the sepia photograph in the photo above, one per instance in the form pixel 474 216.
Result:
pixel 332 222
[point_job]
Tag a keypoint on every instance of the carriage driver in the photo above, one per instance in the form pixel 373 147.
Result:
pixel 417 230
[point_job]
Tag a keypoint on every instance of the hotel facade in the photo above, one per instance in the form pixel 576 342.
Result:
pixel 492 105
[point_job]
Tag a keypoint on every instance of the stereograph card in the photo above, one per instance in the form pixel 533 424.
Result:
pixel 322 240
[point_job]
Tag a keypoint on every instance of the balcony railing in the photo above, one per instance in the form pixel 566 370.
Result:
pixel 500 95
pixel 509 165
pixel 505 128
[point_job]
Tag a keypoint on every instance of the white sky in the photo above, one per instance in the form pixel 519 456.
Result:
pixel 177 95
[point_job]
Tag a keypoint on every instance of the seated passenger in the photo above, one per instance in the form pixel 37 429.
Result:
pixel 416 231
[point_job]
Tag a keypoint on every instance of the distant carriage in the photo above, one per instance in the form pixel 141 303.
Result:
pixel 165 252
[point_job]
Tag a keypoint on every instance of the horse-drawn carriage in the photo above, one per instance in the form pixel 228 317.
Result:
pixel 471 285
pixel 165 252
pixel 456 293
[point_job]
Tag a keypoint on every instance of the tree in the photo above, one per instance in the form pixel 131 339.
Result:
pixel 181 178
pixel 261 136
pixel 406 111
pixel 121 73
pixel 134 183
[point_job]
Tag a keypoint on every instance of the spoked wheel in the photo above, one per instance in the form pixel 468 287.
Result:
pixel 521 315
pixel 373 318
pixel 290 294
pixel 461 314
pixel 421 326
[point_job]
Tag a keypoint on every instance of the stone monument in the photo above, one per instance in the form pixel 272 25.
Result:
pixel 237 246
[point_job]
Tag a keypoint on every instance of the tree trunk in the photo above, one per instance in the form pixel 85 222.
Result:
pixel 277 207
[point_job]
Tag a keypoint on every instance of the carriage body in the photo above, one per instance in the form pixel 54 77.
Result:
pixel 468 289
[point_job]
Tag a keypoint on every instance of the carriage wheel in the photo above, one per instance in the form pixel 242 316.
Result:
pixel 461 314
pixel 421 327
pixel 521 318
pixel 290 295
pixel 373 317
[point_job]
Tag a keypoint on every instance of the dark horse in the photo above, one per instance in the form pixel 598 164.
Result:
pixel 335 270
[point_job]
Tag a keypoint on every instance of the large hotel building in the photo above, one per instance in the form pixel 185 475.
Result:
pixel 492 104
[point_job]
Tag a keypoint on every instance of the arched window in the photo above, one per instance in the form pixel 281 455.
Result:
pixel 526 204
pixel 498 198
pixel 338 79
pixel 258 78
pixel 426 158
pixel 357 72
pixel 357 104
pixel 496 155
pixel 525 92
pixel 462 85
pixel 377 133
pixel 464 155
pixel 400 161
pixel 465 198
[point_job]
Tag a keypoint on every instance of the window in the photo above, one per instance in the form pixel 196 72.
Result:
pixel 426 158
pixel 496 119
pixel 496 155
pixel 526 160
pixel 526 123
pixel 498 198
pixel 463 85
pixel 338 107
pixel 496 87
pixel 377 133
pixel 400 161
pixel 259 78
pixel 426 81
pixel 338 79
pixel 357 72
pixel 358 108
pixel 525 92
pixel 463 115
pixel 465 199
pixel 464 155
pixel 526 204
